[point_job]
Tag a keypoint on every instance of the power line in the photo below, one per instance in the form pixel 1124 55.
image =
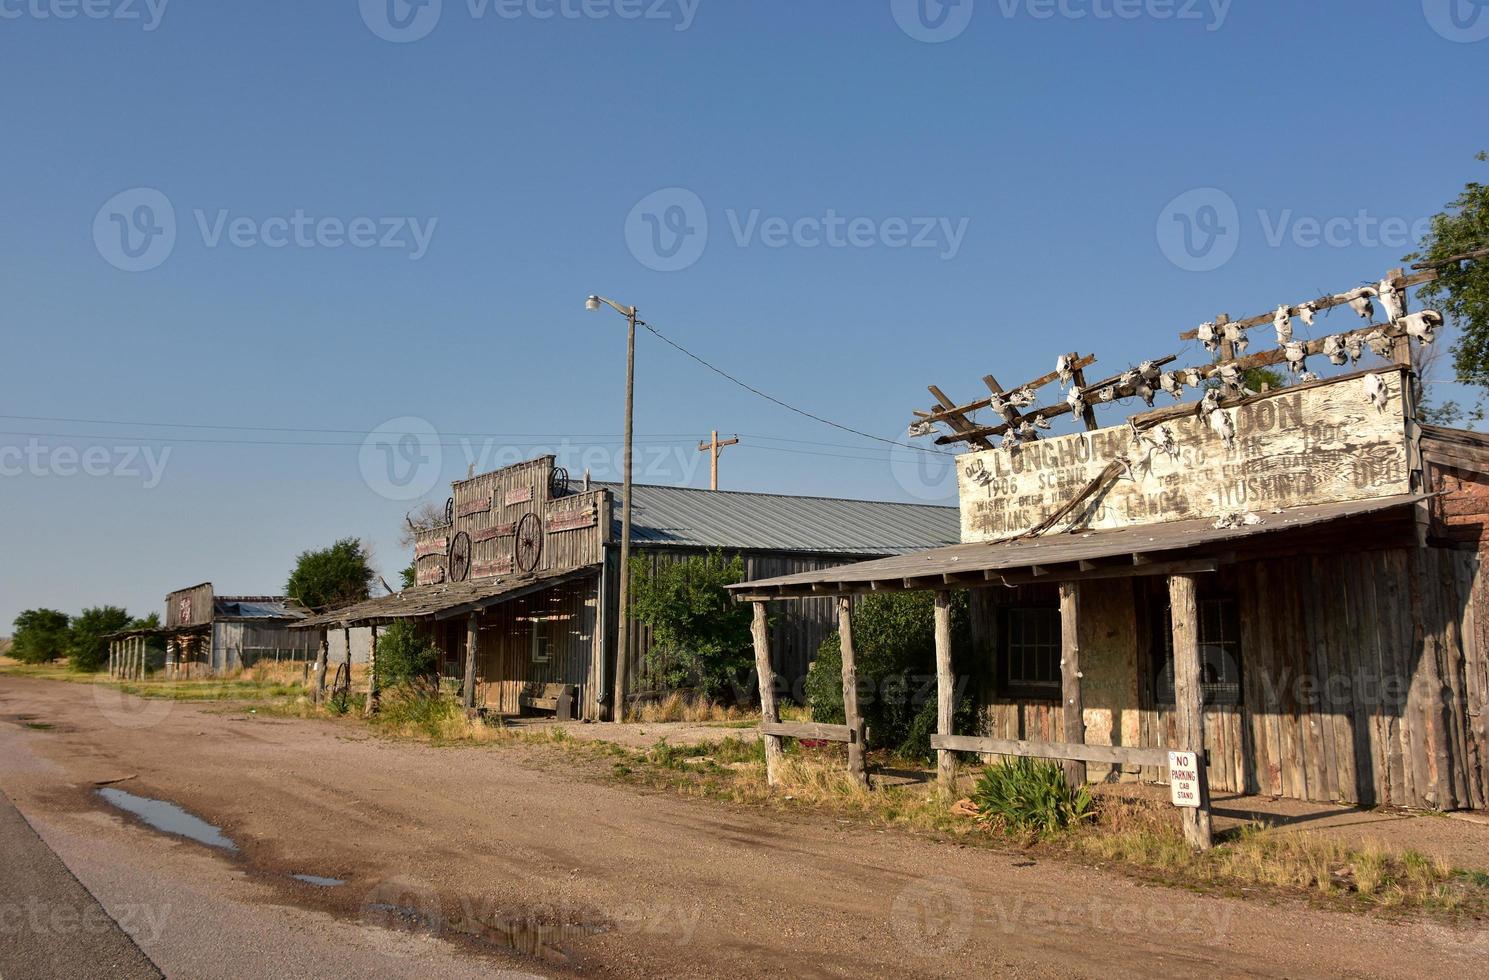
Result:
pixel 771 398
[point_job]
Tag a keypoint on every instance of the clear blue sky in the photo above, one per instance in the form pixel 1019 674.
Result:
pixel 1048 146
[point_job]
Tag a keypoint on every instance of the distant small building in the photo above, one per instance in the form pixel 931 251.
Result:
pixel 205 632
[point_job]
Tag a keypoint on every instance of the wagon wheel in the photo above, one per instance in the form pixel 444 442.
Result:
pixel 460 557
pixel 558 483
pixel 450 510
pixel 528 547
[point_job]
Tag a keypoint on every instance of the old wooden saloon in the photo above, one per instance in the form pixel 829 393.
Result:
pixel 525 572
pixel 1284 581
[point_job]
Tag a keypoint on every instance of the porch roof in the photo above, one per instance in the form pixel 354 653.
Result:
pixel 444 601
pixel 1152 549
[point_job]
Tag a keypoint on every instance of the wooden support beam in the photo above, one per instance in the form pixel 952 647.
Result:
pixel 1189 709
pixel 946 414
pixel 956 420
pixel 468 690
pixel 322 654
pixel 774 753
pixel 851 717
pixel 374 692
pixel 1322 303
pixel 813 730
pixel 945 691
pixel 1072 703
pixel 1117 755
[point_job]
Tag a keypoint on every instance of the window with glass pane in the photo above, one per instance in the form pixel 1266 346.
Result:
pixel 1029 652
pixel 1219 650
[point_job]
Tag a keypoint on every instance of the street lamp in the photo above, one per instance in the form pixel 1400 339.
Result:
pixel 622 651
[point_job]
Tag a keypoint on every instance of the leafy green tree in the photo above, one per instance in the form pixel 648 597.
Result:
pixel 1461 293
pixel 700 635
pixel 410 575
pixel 894 644
pixel 87 647
pixel 331 577
pixel 41 636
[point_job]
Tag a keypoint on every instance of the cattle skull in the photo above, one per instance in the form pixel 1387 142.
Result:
pixel 919 429
pixel 1359 301
pixel 1392 299
pixel 1171 384
pixel 1235 335
pixel 1207 336
pixel 1075 401
pixel 1354 346
pixel 1064 368
pixel 1308 311
pixel 1022 398
pixel 1222 426
pixel 1193 378
pixel 1423 325
pixel 1334 350
pixel 1379 343
pixel 1040 422
pixel 1375 390
pixel 1283 322
pixel 1297 356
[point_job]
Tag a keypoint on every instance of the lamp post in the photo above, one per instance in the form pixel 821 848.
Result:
pixel 622 650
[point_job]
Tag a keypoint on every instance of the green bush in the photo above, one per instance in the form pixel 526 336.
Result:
pixel 41 636
pixel 894 643
pixel 87 646
pixel 404 654
pixel 1030 795
pixel 700 636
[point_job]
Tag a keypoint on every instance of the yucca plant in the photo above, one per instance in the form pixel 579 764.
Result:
pixel 1025 795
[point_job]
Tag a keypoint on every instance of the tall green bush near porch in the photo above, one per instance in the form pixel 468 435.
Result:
pixel 700 635
pixel 894 642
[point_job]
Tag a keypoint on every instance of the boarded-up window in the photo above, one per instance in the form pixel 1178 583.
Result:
pixel 1219 649
pixel 1029 652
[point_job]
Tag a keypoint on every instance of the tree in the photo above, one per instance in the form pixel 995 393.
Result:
pixel 336 576
pixel 700 635
pixel 404 654
pixel 1461 291
pixel 87 646
pixel 41 636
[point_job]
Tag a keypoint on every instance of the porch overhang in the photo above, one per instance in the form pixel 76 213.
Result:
pixel 1171 548
pixel 447 600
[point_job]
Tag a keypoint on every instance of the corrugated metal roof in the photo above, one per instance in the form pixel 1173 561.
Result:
pixel 1022 555
pixel 256 607
pixel 685 517
pixel 423 601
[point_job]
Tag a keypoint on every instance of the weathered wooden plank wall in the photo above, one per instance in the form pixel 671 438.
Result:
pixel 505 667
pixel 1363 673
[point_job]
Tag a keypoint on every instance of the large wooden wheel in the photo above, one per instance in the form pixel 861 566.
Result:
pixel 459 564
pixel 528 547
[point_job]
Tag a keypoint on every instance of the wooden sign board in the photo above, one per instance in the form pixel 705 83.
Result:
pixel 480 506
pixel 1183 779
pixel 492 533
pixel 432 546
pixel 1312 445
pixel 491 569
pixel 570 520
pixel 519 496
pixel 430 575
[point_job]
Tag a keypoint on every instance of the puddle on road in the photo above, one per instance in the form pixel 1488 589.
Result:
pixel 168 818
pixel 319 881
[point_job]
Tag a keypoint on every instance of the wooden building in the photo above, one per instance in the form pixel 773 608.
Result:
pixel 209 634
pixel 526 566
pixel 1285 582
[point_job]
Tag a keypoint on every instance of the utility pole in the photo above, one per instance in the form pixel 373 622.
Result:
pixel 622 646
pixel 714 448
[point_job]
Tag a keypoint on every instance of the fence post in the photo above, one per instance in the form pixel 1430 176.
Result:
pixel 945 691
pixel 774 753
pixel 851 717
pixel 1070 679
pixel 1189 701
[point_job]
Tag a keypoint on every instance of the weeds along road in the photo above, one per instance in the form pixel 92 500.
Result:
pixel 519 859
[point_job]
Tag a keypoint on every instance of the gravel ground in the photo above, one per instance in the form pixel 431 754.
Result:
pixel 460 861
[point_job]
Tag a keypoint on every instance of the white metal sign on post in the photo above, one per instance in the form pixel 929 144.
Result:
pixel 1183 779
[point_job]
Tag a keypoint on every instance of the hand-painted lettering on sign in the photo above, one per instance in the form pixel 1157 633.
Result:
pixel 1317 444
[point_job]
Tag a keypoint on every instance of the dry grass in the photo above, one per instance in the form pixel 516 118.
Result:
pixel 679 707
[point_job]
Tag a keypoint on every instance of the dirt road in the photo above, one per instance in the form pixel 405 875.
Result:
pixel 456 859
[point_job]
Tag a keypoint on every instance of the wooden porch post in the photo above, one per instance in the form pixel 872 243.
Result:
pixel 322 654
pixel 774 754
pixel 1070 679
pixel 469 693
pixel 374 694
pixel 112 645
pixel 851 717
pixel 1189 709
pixel 945 691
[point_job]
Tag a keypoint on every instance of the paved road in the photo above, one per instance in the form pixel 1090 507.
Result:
pixel 50 925
pixel 456 857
